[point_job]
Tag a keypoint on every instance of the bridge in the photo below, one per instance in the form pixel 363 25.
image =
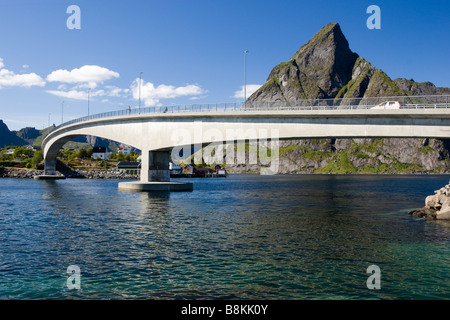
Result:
pixel 161 132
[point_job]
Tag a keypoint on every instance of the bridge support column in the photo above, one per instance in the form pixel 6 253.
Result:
pixel 155 175
pixel 49 170
pixel 50 166
pixel 155 166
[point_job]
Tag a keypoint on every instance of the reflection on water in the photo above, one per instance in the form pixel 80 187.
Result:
pixel 243 237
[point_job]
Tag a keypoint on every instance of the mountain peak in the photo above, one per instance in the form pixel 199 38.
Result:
pixel 319 69
pixel 325 68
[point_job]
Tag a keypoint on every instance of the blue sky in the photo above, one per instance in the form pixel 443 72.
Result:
pixel 192 51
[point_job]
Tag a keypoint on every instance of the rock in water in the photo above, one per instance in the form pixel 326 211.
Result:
pixel 437 206
pixel 424 213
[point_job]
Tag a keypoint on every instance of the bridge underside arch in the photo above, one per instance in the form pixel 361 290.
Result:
pixel 52 150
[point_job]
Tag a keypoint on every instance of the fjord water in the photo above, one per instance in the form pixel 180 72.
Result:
pixel 240 237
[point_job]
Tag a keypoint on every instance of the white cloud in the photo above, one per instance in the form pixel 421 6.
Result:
pixel 79 93
pixel 25 66
pixel 72 94
pixel 85 86
pixel 117 92
pixel 10 79
pixel 88 76
pixel 76 94
pixel 151 95
pixel 250 89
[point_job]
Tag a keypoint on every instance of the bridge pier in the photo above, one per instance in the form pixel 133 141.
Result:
pixel 50 166
pixel 155 175
pixel 155 166
pixel 49 170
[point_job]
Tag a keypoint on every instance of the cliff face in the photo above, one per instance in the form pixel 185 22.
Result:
pixel 325 67
pixel 365 156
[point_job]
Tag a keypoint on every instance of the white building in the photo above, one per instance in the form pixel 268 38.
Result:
pixel 100 153
pixel 124 151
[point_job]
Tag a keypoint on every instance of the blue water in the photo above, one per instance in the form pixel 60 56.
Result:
pixel 240 237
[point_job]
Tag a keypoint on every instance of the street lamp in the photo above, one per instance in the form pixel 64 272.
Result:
pixel 245 78
pixel 140 82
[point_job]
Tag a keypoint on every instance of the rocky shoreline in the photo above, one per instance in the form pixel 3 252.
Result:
pixel 437 206
pixel 19 173
pixel 30 173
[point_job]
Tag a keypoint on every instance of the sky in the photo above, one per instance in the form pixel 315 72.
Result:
pixel 58 64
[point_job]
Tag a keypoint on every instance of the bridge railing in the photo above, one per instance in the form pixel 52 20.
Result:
pixel 351 103
pixel 407 102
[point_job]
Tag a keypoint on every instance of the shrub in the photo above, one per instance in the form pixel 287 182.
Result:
pixel 36 160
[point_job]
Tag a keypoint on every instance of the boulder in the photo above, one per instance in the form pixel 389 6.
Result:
pixel 442 198
pixel 431 201
pixel 437 206
pixel 424 213
pixel 443 214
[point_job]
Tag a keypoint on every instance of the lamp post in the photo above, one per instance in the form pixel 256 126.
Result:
pixel 245 78
pixel 140 82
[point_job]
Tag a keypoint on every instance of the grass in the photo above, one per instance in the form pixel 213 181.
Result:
pixel 317 155
pixel 341 165
pixel 373 147
pixel 426 150
pixel 289 149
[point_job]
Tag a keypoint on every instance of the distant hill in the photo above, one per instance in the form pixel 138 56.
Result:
pixel 37 142
pixel 28 134
pixel 412 88
pixel 8 138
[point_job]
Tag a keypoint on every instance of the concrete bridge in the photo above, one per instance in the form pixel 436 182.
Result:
pixel 159 131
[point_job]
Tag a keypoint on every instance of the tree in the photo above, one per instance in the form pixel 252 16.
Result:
pixel 37 158
pixel 83 154
pixel 21 152
pixel 119 156
pixel 4 156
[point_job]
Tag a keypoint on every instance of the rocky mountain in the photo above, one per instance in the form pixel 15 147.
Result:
pixel 8 138
pixel 28 134
pixel 412 88
pixel 326 68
